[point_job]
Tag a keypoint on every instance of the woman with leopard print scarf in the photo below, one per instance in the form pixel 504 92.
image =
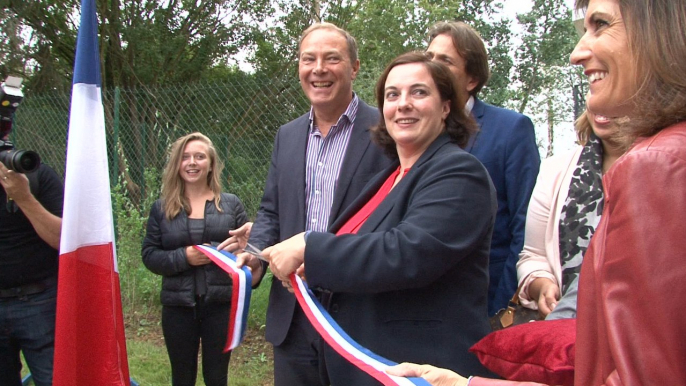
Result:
pixel 563 213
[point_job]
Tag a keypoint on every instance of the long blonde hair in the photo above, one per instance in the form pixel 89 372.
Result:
pixel 173 187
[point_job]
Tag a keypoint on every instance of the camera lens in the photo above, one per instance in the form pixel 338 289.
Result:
pixel 22 161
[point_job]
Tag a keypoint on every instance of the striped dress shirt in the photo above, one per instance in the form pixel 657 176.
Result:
pixel 323 165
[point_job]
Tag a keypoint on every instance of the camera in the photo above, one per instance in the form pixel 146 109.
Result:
pixel 22 161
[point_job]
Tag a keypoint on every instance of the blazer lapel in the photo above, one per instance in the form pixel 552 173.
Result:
pixel 298 145
pixel 478 109
pixel 357 146
pixel 381 212
pixel 373 186
pixel 379 215
pixel 478 112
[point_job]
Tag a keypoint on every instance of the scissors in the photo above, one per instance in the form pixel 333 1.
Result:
pixel 253 250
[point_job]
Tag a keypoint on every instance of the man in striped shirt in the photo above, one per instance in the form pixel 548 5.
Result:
pixel 320 163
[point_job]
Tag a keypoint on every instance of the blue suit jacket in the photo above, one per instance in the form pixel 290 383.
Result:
pixel 411 284
pixel 506 145
pixel 282 210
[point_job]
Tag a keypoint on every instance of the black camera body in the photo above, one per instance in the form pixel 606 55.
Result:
pixel 22 161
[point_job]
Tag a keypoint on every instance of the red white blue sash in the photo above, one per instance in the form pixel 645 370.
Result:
pixel 344 345
pixel 240 297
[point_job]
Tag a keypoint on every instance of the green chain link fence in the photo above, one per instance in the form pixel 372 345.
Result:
pixel 241 118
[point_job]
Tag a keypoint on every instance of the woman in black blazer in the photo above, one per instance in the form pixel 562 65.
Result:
pixel 408 266
pixel 196 294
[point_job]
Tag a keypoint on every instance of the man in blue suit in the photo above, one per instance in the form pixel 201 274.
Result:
pixel 505 144
pixel 320 163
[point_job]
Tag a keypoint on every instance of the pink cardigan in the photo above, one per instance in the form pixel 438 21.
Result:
pixel 541 254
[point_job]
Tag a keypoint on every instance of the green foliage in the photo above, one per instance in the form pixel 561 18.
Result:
pixel 246 180
pixel 142 42
pixel 139 287
pixel 548 40
pixel 383 29
pixel 258 303
pixel 40 125
pixel 150 43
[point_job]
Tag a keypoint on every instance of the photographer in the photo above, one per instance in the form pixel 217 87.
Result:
pixel 30 225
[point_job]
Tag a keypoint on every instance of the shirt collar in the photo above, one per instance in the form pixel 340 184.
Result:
pixel 350 113
pixel 469 105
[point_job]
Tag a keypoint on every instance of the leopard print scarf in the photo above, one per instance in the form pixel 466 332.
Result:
pixel 581 212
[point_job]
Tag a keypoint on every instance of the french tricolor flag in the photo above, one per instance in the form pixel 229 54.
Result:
pixel 90 346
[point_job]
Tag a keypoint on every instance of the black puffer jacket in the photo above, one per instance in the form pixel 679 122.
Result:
pixel 164 251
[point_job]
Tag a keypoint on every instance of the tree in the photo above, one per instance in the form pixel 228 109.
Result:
pixel 383 29
pixel 543 74
pixel 142 42
pixel 11 47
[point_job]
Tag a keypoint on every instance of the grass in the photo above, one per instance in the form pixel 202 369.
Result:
pixel 251 363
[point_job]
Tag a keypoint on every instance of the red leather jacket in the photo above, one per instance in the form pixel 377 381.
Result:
pixel 631 320
pixel 631 328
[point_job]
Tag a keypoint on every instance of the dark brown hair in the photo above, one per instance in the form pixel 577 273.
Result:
pixel 458 124
pixel 655 31
pixel 471 48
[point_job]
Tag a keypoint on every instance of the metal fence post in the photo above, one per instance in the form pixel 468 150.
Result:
pixel 114 172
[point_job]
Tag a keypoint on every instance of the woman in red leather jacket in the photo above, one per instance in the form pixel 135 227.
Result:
pixel 630 326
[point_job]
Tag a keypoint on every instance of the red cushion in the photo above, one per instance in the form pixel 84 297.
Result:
pixel 535 352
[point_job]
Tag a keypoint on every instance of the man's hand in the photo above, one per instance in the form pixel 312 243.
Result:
pixel 47 225
pixel 286 256
pixel 238 239
pixel 16 185
pixel 434 375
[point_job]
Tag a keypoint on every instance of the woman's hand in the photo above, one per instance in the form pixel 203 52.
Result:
pixel 253 263
pixel 195 257
pixel 286 257
pixel 546 293
pixel 434 375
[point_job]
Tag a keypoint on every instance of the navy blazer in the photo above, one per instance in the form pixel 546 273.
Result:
pixel 506 145
pixel 282 210
pixel 411 284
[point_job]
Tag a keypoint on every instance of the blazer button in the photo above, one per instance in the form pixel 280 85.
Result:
pixel 334 308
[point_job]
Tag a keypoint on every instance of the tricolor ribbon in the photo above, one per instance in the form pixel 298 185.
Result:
pixel 240 296
pixel 343 344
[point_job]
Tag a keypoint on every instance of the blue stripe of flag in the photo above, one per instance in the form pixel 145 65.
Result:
pixel 87 63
